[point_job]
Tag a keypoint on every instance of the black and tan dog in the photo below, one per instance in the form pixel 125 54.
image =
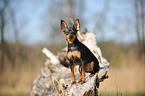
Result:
pixel 78 53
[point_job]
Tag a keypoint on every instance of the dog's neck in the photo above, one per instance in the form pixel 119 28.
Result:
pixel 75 42
pixel 73 46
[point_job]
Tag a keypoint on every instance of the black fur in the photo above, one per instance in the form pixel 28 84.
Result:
pixel 86 55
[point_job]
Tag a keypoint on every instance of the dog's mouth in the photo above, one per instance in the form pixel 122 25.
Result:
pixel 70 36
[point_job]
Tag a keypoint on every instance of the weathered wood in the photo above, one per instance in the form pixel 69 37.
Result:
pixel 55 79
pixel 52 58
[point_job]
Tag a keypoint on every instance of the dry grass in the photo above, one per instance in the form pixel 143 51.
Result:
pixel 19 80
pixel 126 74
pixel 128 78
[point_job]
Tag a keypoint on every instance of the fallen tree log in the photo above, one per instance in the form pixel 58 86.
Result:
pixel 55 77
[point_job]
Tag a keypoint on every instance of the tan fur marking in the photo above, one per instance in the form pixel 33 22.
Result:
pixel 69 55
pixel 74 54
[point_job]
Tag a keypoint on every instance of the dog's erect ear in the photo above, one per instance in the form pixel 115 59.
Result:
pixel 76 24
pixel 63 25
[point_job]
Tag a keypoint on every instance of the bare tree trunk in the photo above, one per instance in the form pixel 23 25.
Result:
pixel 2 40
pixel 67 10
pixel 15 29
pixel 2 26
pixel 137 27
pixel 142 25
pixel 102 18
pixel 139 13
pixel 4 46
pixel 137 21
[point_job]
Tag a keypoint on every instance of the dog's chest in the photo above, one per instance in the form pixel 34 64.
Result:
pixel 73 54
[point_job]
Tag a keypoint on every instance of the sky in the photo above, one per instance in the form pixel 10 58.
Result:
pixel 118 25
pixel 118 13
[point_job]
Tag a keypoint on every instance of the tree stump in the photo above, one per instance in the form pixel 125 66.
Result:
pixel 55 77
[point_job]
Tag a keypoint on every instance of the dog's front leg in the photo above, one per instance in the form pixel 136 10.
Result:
pixel 80 70
pixel 73 76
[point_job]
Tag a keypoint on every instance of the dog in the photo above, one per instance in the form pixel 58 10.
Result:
pixel 78 53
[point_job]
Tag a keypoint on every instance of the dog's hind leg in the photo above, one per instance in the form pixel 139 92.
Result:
pixel 83 73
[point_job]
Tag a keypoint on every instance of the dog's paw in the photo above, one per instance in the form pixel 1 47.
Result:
pixel 73 82
pixel 83 81
pixel 80 80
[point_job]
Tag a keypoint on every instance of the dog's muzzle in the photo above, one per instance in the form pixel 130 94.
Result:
pixel 70 36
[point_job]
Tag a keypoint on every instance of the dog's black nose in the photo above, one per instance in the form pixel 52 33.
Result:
pixel 70 36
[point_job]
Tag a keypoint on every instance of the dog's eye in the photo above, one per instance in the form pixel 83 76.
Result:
pixel 67 32
pixel 74 33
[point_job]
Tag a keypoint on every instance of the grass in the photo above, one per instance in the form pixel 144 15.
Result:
pixel 18 94
pixel 100 94
pixel 125 79
pixel 122 94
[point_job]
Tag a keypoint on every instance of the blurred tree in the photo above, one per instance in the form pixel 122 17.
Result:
pixel 65 9
pixel 142 24
pixel 15 29
pixel 139 13
pixel 3 8
pixel 7 18
pixel 102 20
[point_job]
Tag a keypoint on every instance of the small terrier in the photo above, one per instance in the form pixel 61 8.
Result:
pixel 78 53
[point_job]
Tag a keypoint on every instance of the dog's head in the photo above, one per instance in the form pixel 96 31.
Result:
pixel 71 32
